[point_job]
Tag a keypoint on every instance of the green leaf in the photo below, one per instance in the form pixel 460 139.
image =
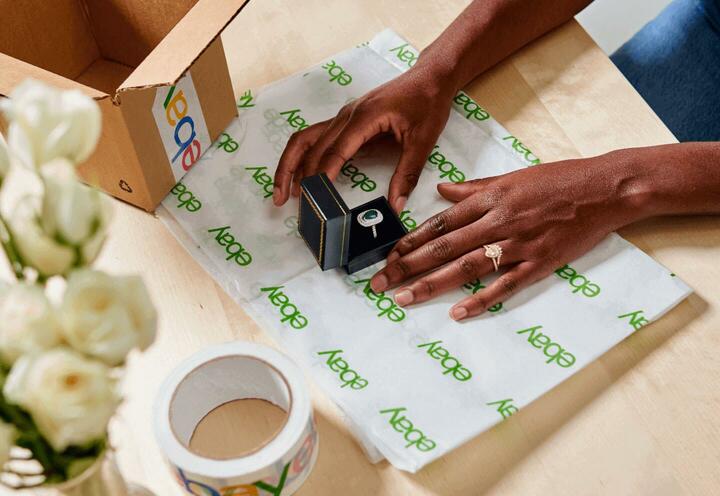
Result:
pixel 79 465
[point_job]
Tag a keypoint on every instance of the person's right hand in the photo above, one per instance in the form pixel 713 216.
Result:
pixel 413 108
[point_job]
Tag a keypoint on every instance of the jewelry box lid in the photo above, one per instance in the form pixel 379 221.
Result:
pixel 324 221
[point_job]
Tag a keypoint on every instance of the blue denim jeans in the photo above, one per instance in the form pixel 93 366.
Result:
pixel 674 63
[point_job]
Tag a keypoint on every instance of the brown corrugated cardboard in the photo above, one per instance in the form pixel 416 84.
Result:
pixel 119 35
pixel 147 63
pixel 52 34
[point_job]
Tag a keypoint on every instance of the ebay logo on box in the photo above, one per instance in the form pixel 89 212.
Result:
pixel 181 124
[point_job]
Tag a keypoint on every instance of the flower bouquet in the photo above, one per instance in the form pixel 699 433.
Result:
pixel 65 329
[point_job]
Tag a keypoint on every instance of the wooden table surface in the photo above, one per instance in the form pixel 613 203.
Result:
pixel 643 419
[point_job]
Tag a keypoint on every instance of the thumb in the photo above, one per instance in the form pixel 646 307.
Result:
pixel 408 171
pixel 456 192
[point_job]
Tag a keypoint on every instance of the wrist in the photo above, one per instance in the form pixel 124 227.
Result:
pixel 441 72
pixel 635 197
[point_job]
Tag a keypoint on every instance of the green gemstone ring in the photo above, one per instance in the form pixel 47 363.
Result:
pixel 370 218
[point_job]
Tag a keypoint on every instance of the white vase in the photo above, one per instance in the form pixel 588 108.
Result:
pixel 102 478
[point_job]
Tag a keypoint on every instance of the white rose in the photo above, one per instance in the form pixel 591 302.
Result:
pixel 46 123
pixel 67 228
pixel 28 322
pixel 73 212
pixel 105 317
pixel 70 398
pixel 4 159
pixel 37 249
pixel 8 435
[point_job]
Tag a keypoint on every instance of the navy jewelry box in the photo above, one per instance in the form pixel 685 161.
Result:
pixel 339 236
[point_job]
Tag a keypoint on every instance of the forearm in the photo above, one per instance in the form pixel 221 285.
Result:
pixel 676 179
pixel 488 31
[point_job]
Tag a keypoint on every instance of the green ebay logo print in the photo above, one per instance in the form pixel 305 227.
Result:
pixel 339 365
pixel 413 437
pixel 186 199
pixel 475 286
pixel 385 305
pixel 289 313
pixel 552 350
pixel 523 150
pixel 405 54
pixel 447 361
pixel 579 282
pixel 227 143
pixel 504 407
pixel 262 179
pixel 409 223
pixel 292 224
pixel 469 108
pixel 357 178
pixel 294 118
pixel 446 168
pixel 235 251
pixel 246 100
pixel 337 74
pixel 636 319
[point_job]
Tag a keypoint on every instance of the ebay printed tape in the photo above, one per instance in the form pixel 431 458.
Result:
pixel 224 373
pixel 181 124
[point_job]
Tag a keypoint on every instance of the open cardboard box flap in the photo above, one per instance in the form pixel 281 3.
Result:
pixel 15 71
pixel 187 40
pixel 104 47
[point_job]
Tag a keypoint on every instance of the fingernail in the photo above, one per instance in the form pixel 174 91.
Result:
pixel 400 203
pixel 404 297
pixel 379 283
pixel 393 256
pixel 458 313
pixel 276 196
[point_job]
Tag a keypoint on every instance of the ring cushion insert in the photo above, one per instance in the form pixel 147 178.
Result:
pixel 334 235
pixel 366 250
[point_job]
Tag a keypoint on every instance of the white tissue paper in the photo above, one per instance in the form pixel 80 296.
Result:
pixel 412 383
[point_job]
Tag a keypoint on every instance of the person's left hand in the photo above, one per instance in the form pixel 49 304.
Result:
pixel 542 217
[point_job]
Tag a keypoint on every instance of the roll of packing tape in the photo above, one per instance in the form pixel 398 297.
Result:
pixel 221 374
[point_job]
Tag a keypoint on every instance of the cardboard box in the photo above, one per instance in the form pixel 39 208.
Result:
pixel 339 236
pixel 156 68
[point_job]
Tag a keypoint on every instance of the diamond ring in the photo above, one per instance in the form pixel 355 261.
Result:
pixel 370 218
pixel 494 252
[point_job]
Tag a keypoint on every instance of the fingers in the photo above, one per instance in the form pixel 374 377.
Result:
pixel 456 192
pixel 309 163
pixel 505 286
pixel 433 254
pixel 451 219
pixel 326 150
pixel 291 160
pixel 358 130
pixel 415 153
pixel 466 268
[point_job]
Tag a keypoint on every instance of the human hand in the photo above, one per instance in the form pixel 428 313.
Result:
pixel 542 217
pixel 413 108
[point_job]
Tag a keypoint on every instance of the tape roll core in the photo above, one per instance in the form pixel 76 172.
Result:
pixel 260 381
